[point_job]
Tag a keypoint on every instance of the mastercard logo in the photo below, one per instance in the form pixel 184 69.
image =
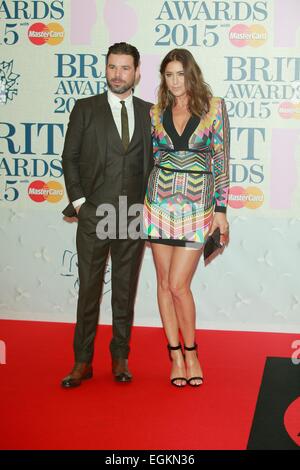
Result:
pixel 289 110
pixel 39 191
pixel 40 33
pixel 242 35
pixel 251 197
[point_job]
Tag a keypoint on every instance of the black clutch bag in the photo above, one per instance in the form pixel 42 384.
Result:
pixel 212 245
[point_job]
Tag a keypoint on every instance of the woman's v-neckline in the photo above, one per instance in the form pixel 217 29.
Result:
pixel 180 141
pixel 186 124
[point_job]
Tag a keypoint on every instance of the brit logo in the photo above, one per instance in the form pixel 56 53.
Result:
pixel 8 82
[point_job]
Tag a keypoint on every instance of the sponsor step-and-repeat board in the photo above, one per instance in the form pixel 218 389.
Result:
pixel 53 53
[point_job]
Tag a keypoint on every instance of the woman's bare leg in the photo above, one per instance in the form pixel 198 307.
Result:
pixel 162 255
pixel 183 265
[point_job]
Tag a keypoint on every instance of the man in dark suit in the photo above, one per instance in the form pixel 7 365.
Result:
pixel 107 155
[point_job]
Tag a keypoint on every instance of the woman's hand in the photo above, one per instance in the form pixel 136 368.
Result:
pixel 220 221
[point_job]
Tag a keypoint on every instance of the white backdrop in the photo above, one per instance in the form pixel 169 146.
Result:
pixel 52 53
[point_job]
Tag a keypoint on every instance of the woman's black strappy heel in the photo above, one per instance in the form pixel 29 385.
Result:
pixel 174 380
pixel 191 379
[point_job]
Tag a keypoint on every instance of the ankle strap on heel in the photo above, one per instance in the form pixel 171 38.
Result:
pixel 192 348
pixel 173 348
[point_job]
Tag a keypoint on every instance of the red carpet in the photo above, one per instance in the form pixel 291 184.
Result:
pixel 146 414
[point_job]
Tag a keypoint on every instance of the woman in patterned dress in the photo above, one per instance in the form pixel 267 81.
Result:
pixel 186 198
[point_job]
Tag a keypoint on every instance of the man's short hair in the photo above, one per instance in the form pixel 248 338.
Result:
pixel 124 48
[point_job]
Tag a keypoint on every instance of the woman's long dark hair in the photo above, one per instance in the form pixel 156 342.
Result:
pixel 198 90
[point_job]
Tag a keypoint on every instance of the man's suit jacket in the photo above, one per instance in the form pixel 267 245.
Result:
pixel 85 150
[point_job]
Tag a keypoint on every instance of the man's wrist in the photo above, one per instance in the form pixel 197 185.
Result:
pixel 78 202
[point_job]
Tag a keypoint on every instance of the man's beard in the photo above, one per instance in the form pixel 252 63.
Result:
pixel 120 89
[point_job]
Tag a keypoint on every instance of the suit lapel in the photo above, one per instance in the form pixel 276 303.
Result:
pixel 101 111
pixel 136 120
pixel 141 113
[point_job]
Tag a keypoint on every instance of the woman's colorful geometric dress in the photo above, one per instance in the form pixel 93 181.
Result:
pixel 190 177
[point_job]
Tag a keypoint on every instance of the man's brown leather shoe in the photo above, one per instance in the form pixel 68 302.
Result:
pixel 120 370
pixel 81 371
